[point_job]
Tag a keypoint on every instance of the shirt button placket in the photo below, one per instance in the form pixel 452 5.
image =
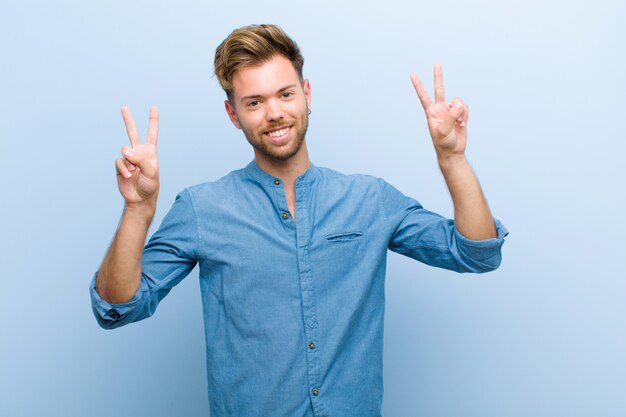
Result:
pixel 308 296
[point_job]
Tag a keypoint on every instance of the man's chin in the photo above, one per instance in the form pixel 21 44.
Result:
pixel 277 155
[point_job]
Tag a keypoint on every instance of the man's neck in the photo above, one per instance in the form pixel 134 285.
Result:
pixel 289 170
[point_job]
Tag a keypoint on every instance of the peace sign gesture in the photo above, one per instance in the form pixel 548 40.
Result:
pixel 446 121
pixel 138 169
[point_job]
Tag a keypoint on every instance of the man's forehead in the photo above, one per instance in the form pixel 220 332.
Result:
pixel 267 78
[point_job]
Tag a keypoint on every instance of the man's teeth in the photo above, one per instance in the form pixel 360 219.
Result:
pixel 278 133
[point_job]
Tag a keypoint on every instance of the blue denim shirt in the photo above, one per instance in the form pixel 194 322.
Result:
pixel 293 311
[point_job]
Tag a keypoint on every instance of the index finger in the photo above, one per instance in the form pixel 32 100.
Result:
pixel 421 91
pixel 440 95
pixel 153 126
pixel 131 129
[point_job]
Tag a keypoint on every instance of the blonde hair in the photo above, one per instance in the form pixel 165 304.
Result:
pixel 251 46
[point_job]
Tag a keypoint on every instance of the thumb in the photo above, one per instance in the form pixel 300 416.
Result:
pixel 454 112
pixel 139 159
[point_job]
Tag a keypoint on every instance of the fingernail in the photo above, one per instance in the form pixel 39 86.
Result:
pixel 129 152
pixel 127 175
pixel 131 167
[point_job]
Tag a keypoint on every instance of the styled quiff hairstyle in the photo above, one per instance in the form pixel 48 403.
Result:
pixel 251 46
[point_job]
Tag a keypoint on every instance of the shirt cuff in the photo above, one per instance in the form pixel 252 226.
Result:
pixel 106 313
pixel 480 250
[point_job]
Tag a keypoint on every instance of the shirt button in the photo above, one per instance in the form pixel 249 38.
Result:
pixel 316 392
pixel 311 345
pixel 285 215
pixel 276 182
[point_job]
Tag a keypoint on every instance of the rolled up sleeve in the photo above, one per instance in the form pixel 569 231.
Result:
pixel 481 255
pixel 110 316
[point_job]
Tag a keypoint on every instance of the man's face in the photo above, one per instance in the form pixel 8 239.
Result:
pixel 270 104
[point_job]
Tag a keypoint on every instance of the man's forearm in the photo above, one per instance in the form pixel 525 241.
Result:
pixel 119 275
pixel 472 216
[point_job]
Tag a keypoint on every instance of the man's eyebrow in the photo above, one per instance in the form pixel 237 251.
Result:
pixel 287 88
pixel 257 96
pixel 249 97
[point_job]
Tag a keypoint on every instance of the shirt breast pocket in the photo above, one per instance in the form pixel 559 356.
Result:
pixel 344 237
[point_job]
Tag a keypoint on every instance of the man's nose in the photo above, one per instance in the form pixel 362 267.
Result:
pixel 273 111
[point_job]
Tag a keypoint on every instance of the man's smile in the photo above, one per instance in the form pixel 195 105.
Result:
pixel 279 134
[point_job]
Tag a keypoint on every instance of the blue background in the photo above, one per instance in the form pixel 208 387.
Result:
pixel 545 335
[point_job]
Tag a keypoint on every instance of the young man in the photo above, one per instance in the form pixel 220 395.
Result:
pixel 292 256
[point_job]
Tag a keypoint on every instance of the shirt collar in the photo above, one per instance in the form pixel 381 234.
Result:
pixel 263 178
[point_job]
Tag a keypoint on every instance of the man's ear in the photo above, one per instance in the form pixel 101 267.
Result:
pixel 306 86
pixel 230 110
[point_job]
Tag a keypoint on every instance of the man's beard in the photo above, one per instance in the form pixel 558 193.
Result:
pixel 280 153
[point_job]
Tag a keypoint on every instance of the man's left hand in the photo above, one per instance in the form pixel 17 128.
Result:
pixel 446 121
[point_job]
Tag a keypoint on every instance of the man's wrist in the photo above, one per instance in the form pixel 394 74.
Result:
pixel 450 161
pixel 140 211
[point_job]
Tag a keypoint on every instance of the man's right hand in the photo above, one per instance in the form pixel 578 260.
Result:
pixel 138 169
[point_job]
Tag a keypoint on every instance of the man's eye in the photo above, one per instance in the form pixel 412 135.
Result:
pixel 253 103
pixel 287 94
